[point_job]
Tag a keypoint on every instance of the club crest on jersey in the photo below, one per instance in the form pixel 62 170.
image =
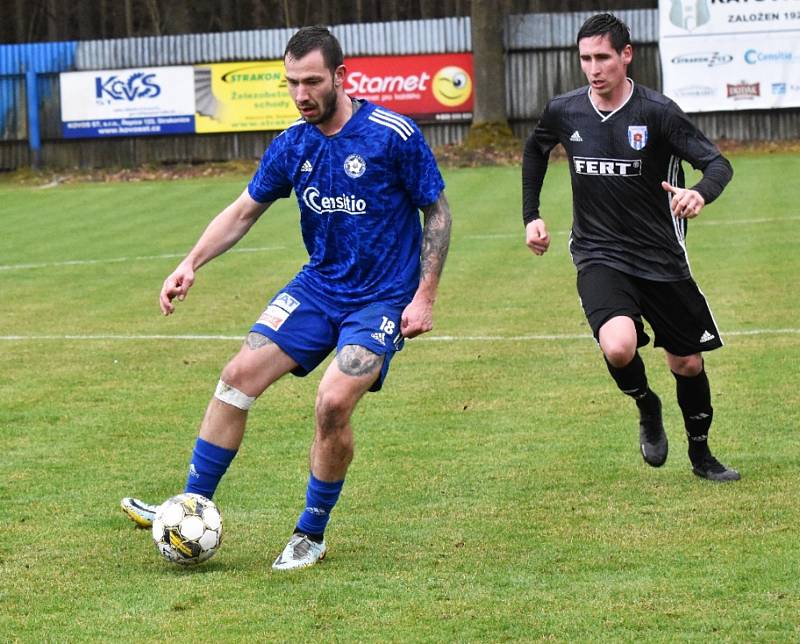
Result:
pixel 354 166
pixel 637 136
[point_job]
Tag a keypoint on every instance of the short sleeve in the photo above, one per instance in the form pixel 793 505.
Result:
pixel 271 180
pixel 418 170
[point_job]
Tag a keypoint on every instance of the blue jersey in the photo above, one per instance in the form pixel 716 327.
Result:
pixel 359 193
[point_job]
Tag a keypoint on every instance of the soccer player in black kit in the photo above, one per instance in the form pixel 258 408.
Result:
pixel 625 144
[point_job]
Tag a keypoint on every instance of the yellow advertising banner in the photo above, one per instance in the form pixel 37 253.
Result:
pixel 236 97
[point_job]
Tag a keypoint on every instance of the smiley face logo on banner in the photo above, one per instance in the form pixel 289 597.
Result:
pixel 452 86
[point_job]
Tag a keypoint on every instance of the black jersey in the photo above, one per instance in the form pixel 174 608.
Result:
pixel 621 214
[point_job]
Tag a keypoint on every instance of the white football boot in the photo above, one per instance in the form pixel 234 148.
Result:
pixel 300 552
pixel 141 513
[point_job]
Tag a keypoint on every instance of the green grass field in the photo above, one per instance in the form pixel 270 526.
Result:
pixel 497 492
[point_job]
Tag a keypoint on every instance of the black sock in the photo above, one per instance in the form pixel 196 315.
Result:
pixel 694 399
pixel 317 538
pixel 632 381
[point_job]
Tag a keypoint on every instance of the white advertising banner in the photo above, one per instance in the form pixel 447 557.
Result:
pixel 722 55
pixel 128 102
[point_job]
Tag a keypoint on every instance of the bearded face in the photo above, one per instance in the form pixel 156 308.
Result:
pixel 312 87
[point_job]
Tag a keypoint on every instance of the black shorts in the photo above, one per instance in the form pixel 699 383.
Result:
pixel 677 311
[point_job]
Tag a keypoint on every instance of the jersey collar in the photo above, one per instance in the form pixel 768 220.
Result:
pixel 359 111
pixel 605 117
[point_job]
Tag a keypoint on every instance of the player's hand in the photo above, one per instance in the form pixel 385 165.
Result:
pixel 417 317
pixel 536 237
pixel 685 203
pixel 176 285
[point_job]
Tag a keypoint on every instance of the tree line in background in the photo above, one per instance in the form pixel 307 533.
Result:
pixel 53 20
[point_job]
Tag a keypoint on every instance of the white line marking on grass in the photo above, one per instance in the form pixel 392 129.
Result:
pixel 694 222
pixel 434 338
pixel 113 336
pixel 740 222
pixel 579 336
pixel 763 332
pixel 142 258
pixel 116 260
pixel 502 338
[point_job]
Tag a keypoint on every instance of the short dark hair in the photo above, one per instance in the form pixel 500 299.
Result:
pixel 308 39
pixel 602 24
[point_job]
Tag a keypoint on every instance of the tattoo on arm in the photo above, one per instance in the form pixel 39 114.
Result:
pixel 435 237
pixel 355 360
pixel 256 341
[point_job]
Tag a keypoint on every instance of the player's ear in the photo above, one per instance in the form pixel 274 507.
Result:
pixel 338 76
pixel 627 54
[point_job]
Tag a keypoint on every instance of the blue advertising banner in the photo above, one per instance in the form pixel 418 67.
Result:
pixel 131 102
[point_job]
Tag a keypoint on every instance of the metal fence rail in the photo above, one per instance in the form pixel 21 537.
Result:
pixel 540 63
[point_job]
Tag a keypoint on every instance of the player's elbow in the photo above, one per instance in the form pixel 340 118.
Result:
pixel 730 168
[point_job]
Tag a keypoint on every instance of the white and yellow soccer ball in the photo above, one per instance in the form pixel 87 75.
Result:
pixel 187 529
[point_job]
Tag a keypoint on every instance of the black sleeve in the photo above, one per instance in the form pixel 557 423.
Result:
pixel 534 165
pixel 716 176
pixel 689 143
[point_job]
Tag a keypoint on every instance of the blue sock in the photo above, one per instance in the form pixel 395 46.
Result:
pixel 321 496
pixel 209 462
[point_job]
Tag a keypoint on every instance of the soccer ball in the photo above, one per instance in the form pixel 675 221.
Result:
pixel 187 529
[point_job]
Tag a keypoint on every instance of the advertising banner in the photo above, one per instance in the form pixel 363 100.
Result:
pixel 252 95
pixel 129 102
pixel 237 97
pixel 721 56
pixel 428 88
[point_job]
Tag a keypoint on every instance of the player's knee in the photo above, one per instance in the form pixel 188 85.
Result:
pixel 619 353
pixel 333 409
pixel 688 366
pixel 235 386
pixel 235 374
pixel 230 395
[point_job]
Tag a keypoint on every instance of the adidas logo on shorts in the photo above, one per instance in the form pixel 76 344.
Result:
pixel 707 337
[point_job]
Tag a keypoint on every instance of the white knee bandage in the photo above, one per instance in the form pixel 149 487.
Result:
pixel 233 396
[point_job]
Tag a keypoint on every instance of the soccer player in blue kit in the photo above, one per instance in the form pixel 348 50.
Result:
pixel 361 174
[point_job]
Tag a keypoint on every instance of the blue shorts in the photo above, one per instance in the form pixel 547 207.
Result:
pixel 308 329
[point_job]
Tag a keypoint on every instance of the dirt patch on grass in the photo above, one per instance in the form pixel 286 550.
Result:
pixel 476 153
pixel 165 172
pixel 461 156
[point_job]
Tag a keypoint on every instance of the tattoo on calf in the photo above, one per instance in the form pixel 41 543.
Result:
pixel 256 341
pixel 355 360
